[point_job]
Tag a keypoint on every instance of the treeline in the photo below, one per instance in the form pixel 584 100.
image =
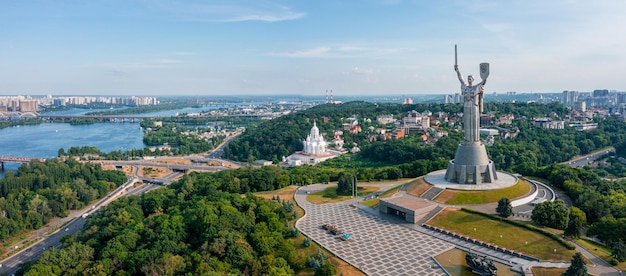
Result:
pixel 141 109
pixel 40 191
pixel 183 139
pixel 402 151
pixel 283 136
pixel 192 227
pixel 601 201
pixel 536 147
pixel 220 121
pixel 23 122
pixel 273 139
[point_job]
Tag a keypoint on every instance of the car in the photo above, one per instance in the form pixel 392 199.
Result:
pixel 67 229
pixel 346 237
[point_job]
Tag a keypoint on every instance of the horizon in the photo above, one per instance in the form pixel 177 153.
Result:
pixel 279 47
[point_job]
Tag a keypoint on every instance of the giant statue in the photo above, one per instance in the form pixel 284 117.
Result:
pixel 471 165
pixel 472 102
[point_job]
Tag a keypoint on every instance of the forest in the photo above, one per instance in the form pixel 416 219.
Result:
pixel 194 226
pixel 39 191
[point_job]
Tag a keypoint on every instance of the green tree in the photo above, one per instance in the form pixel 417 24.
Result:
pixel 553 214
pixel 346 183
pixel 577 220
pixel 504 208
pixel 619 250
pixel 327 269
pixel 577 267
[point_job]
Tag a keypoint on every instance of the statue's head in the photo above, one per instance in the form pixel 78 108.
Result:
pixel 470 79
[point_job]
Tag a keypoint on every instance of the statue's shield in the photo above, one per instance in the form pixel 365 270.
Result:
pixel 484 70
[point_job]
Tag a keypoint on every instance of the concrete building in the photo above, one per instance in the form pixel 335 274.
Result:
pixel 29 105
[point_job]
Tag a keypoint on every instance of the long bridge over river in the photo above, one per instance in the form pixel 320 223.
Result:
pixel 17 159
pixel 128 118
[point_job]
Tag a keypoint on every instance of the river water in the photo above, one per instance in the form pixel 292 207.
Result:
pixel 45 140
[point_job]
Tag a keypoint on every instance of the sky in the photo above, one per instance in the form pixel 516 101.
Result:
pixel 298 47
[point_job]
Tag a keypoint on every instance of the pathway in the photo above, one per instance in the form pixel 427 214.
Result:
pixel 385 245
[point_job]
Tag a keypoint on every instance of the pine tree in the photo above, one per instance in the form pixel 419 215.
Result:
pixel 577 268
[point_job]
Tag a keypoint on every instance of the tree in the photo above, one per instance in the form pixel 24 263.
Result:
pixel 504 208
pixel 577 267
pixel 327 269
pixel 619 250
pixel 577 219
pixel 346 183
pixel 552 214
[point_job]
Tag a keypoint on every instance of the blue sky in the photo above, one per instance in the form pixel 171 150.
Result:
pixel 355 47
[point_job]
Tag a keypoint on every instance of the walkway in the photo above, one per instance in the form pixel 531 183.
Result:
pixel 385 245
pixel 379 247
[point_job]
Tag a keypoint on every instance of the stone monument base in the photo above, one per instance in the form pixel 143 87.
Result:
pixel 437 179
pixel 471 165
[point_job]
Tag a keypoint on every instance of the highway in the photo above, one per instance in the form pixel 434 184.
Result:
pixel 71 224
pixel 76 220
pixel 589 158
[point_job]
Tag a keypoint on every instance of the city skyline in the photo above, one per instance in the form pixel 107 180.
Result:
pixel 369 47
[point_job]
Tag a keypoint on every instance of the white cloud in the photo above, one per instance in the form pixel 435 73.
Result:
pixel 267 17
pixel 362 71
pixel 228 11
pixel 342 51
pixel 311 53
pixel 146 64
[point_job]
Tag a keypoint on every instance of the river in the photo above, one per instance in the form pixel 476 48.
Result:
pixel 45 140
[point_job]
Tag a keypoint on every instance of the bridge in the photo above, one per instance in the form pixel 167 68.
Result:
pixel 102 118
pixel 129 118
pixel 16 159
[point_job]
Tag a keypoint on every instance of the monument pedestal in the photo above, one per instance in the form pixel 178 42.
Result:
pixel 471 165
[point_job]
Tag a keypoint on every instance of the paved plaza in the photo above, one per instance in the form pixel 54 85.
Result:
pixel 384 245
pixel 379 246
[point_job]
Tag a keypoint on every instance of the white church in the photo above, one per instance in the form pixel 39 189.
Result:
pixel 315 150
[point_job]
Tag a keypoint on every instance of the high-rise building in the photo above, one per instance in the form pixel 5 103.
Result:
pixel 570 97
pixel 29 105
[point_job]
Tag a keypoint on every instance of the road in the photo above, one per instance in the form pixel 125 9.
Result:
pixel 75 222
pixel 70 225
pixel 589 158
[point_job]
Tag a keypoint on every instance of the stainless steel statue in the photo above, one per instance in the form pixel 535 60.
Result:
pixel 471 164
pixel 472 101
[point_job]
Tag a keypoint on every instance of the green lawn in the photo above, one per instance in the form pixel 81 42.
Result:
pixel 375 201
pixel 329 195
pixel 600 251
pixel 482 197
pixel 501 234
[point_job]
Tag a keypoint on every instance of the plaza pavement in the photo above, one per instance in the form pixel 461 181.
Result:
pixel 385 245
pixel 379 246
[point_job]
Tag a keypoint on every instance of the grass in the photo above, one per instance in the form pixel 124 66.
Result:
pixel 501 234
pixel 329 195
pixel 599 250
pixel 547 271
pixel 417 187
pixel 481 197
pixel 375 201
pixel 342 267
